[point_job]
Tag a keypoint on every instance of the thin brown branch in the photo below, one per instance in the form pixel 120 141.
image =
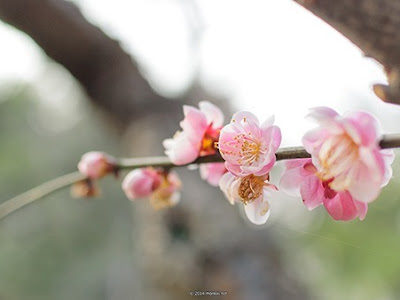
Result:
pixel 47 188
pixel 38 192
pixel 390 141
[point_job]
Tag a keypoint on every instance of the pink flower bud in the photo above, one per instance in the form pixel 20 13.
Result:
pixel 84 189
pixel 162 188
pixel 141 183
pixel 96 164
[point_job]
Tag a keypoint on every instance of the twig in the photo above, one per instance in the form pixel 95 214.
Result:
pixel 47 188
pixel 38 192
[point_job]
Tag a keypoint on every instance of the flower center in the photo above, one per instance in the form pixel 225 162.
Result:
pixel 246 147
pixel 337 156
pixel 250 151
pixel 208 144
pixel 251 187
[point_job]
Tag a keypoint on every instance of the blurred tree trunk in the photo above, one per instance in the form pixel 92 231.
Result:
pixel 199 245
pixel 108 74
pixel 374 27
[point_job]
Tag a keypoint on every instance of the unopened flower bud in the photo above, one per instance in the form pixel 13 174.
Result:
pixel 141 183
pixel 168 193
pixel 84 188
pixel 97 164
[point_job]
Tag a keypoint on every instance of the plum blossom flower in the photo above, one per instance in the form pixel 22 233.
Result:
pixel 247 147
pixel 97 164
pixel 161 187
pixel 346 154
pixel 300 179
pixel 252 191
pixel 200 130
pixel 212 172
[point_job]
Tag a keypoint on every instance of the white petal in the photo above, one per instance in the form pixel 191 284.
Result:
pixel 225 185
pixel 213 114
pixel 258 211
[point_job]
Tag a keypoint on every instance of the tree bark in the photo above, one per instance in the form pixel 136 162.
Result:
pixel 108 74
pixel 373 26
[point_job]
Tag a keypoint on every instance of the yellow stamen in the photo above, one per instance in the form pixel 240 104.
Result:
pixel 251 187
pixel 336 156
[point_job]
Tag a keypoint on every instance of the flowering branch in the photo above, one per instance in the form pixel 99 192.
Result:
pixel 47 188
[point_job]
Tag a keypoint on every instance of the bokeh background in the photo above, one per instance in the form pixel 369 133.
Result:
pixel 270 57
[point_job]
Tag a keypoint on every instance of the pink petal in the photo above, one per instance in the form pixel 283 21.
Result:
pixel 362 127
pixel 313 140
pixel 294 163
pixel 374 161
pixel 96 164
pixel 343 207
pixel 312 192
pixel 239 116
pixel 225 184
pixel 244 122
pixel 226 146
pixel 265 169
pixel 365 182
pixel 234 169
pixel 180 150
pixel 258 211
pixel 271 186
pixel 268 122
pixel 362 209
pixel 213 114
pixel 140 183
pixel 272 134
pixel 212 172
pixel 194 124
pixel 293 176
pixel 258 170
pixel 388 157
pixel 322 115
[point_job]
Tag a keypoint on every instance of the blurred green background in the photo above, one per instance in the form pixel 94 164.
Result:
pixel 59 247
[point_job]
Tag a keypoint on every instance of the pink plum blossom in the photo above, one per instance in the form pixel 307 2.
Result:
pixel 200 130
pixel 300 179
pixel 252 191
pixel 247 147
pixel 161 187
pixel 212 172
pixel 96 164
pixel 346 154
pixel 141 183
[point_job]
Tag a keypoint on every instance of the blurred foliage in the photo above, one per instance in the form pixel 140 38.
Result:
pixel 352 260
pixel 59 247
